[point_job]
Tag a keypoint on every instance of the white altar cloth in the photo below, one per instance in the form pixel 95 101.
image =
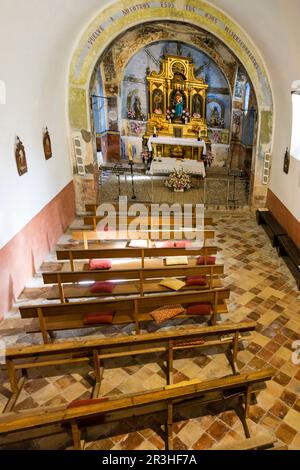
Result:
pixel 176 141
pixel 167 165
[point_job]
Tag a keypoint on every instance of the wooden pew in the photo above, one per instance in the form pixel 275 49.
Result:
pixel 21 359
pixel 141 254
pixel 86 236
pixel 270 225
pixel 291 255
pixel 91 209
pixel 134 281
pixel 157 222
pixel 168 400
pixel 68 316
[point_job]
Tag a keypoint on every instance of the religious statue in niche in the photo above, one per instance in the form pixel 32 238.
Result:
pixel 178 104
pixel 197 106
pixel 47 145
pixel 158 102
pixel 214 117
pixel 21 158
pixel 137 108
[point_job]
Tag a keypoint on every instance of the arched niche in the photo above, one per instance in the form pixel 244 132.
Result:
pixel 121 16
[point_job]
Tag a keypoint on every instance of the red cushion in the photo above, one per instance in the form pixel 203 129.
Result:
pixel 196 281
pixel 165 244
pixel 105 229
pixel 77 403
pixel 208 261
pixel 102 287
pixel 199 309
pixel 95 264
pixel 98 317
pixel 183 244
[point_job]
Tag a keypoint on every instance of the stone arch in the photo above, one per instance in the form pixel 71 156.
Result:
pixel 121 16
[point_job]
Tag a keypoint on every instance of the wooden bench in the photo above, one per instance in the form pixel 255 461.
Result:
pixel 139 254
pixel 167 401
pixel 69 316
pixel 270 224
pixel 86 236
pixel 92 209
pixel 96 351
pixel 133 281
pixel 149 222
pixel 291 255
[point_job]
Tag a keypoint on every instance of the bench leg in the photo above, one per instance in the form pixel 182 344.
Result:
pixel 240 411
pixel 76 434
pixel 170 365
pixel 169 428
pixel 258 218
pixel 12 376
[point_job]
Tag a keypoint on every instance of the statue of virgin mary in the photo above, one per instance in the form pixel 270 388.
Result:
pixel 178 104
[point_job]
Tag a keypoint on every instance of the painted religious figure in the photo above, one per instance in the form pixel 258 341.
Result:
pixel 47 145
pixel 158 100
pixel 21 158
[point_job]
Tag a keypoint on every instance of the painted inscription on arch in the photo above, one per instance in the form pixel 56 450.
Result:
pixel 170 5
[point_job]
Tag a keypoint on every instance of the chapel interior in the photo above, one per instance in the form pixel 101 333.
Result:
pixel 122 328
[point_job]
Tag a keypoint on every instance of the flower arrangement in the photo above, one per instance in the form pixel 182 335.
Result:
pixel 130 113
pixel 185 116
pixel 137 128
pixel 179 180
pixel 170 114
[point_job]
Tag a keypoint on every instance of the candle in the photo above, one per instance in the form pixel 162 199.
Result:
pixel 130 153
pixel 199 134
pixel 154 130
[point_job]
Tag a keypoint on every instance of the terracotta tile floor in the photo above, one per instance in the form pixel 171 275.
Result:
pixel 262 289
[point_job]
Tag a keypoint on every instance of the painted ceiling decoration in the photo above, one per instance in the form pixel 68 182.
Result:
pixel 119 53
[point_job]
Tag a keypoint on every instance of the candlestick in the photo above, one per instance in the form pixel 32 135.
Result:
pixel 130 153
pixel 199 135
pixel 154 131
pixel 132 182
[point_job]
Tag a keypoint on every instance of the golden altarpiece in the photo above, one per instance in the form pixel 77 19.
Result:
pixel 177 107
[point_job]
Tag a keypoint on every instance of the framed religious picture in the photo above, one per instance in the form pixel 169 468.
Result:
pixel 21 158
pixel 47 145
pixel 286 164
